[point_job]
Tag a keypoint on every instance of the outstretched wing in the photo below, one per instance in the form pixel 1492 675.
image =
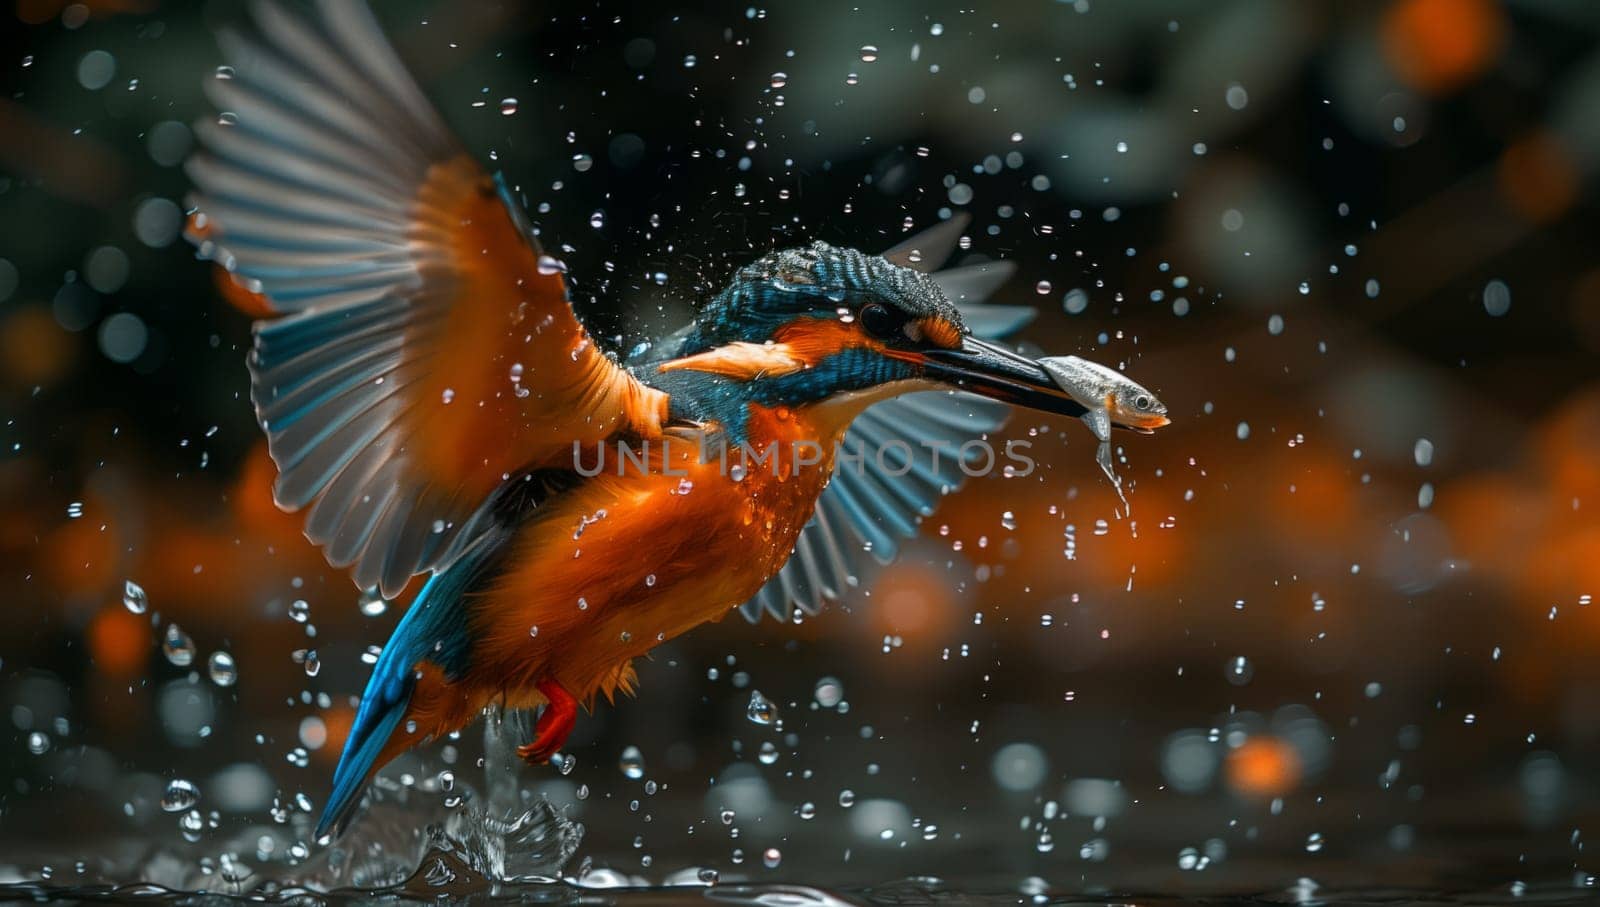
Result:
pixel 424 349
pixel 872 505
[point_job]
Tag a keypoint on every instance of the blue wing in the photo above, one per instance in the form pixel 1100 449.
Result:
pixel 872 505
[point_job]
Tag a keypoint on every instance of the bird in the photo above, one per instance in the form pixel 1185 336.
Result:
pixel 434 403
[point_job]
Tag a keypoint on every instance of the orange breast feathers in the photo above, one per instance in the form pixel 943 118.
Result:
pixel 624 562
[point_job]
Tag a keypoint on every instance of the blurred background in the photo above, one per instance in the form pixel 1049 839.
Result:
pixel 1345 639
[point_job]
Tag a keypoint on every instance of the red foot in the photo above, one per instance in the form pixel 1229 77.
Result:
pixel 555 724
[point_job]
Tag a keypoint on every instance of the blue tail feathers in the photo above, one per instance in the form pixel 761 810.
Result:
pixel 435 629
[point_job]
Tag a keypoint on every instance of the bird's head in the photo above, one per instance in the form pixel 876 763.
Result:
pixel 820 325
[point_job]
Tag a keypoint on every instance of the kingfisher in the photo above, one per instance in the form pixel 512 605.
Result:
pixel 433 402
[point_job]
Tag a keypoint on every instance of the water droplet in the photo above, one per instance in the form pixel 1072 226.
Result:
pixel 1496 298
pixel 771 857
pixel 38 743
pixel 224 72
pixel 96 69
pixel 227 118
pixel 1314 842
pixel 1042 287
pixel 632 763
pixel 1075 302
pixel 761 710
pixel 869 53
pixel 179 796
pixel 224 673
pixel 372 603
pixel 177 646
pixel 1422 452
pixel 299 611
pixel 1240 670
pixel 847 798
pixel 768 753
pixel 708 876
pixel 550 265
pixel 829 692
pixel 134 598
pixel 1008 520
pixel 780 79
pixel 508 106
pixel 727 816
pixel 597 219
pixel 582 162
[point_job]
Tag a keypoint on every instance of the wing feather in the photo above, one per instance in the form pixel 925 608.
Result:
pixel 423 348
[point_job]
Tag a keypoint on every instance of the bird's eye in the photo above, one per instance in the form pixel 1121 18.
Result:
pixel 1141 401
pixel 879 321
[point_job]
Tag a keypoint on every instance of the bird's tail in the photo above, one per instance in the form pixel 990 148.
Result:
pixel 412 676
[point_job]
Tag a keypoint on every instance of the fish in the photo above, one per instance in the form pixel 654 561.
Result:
pixel 1110 400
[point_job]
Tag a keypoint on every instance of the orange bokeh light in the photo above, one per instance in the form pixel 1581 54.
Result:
pixel 33 348
pixel 1263 767
pixel 910 598
pixel 337 721
pixel 119 642
pixel 82 556
pixel 1439 45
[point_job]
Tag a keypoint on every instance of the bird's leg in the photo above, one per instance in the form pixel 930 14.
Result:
pixel 555 724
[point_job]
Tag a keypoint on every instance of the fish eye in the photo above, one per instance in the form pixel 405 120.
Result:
pixel 1141 402
pixel 879 321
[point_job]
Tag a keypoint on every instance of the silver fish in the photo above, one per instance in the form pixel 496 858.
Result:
pixel 1111 398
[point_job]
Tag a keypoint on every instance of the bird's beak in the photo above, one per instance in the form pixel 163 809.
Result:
pixel 996 372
